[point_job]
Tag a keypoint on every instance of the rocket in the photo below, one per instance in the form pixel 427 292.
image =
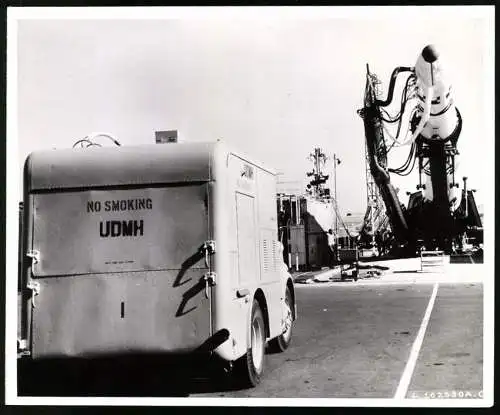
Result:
pixel 440 122
pixel 436 104
pixel 435 125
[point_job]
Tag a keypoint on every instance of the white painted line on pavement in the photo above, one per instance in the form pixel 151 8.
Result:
pixel 404 382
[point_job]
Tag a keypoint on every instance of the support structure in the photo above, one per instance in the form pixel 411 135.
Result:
pixel 316 186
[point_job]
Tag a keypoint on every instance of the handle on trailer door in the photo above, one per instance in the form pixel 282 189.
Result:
pixel 34 286
pixel 209 249
pixel 209 278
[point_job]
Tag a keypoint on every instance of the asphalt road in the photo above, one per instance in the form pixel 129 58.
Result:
pixel 351 340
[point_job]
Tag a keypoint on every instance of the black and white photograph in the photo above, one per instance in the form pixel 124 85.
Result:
pixel 250 206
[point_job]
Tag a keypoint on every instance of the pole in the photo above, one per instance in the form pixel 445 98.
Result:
pixel 317 166
pixel 372 221
pixel 335 193
pixel 335 162
pixel 297 210
pixel 465 198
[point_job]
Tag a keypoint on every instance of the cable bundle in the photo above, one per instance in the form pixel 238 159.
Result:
pixel 87 141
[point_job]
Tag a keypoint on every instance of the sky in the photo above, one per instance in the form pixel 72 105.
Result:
pixel 273 85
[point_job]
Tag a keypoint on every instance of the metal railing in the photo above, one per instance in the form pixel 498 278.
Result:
pixel 432 261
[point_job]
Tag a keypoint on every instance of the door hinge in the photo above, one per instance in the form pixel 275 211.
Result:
pixel 22 348
pixel 34 286
pixel 210 280
pixel 209 246
pixel 34 255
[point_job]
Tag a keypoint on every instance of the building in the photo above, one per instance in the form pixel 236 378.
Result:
pixel 303 223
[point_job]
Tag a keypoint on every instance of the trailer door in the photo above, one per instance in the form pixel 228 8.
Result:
pixel 120 271
pixel 246 238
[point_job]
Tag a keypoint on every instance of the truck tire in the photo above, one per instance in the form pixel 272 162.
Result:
pixel 250 367
pixel 281 343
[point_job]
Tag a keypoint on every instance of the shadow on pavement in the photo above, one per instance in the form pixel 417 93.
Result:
pixel 123 377
pixel 468 258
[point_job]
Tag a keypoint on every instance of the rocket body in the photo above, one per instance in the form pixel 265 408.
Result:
pixel 439 119
pixel 434 87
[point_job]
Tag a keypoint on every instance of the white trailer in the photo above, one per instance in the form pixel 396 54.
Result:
pixel 167 248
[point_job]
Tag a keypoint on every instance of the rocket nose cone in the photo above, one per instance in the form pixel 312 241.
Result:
pixel 430 54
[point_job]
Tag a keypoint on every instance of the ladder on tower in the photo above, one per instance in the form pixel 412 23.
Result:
pixel 375 217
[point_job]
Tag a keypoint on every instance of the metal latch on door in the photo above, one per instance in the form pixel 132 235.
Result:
pixel 34 286
pixel 209 277
pixel 34 255
pixel 210 280
pixel 208 249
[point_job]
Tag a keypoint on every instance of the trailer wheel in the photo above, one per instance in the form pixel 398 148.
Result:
pixel 281 343
pixel 250 367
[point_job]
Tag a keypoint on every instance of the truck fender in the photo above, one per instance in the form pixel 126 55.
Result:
pixel 291 286
pixel 261 298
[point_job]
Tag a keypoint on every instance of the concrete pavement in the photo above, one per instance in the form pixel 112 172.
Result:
pixel 406 270
pixel 354 341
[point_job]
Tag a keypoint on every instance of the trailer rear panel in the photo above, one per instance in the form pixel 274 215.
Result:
pixel 120 263
pixel 106 231
pixel 148 250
